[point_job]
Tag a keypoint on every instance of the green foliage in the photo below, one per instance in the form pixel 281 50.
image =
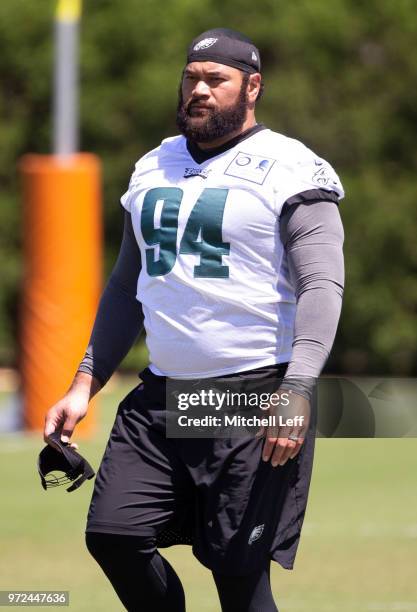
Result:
pixel 339 76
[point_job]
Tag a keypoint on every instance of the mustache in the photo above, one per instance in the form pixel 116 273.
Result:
pixel 197 102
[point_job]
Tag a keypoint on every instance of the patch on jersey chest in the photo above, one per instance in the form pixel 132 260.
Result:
pixel 253 168
pixel 190 172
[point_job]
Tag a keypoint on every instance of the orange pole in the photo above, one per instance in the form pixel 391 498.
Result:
pixel 62 253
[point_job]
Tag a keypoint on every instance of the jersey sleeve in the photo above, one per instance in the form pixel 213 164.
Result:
pixel 126 199
pixel 306 178
pixel 146 163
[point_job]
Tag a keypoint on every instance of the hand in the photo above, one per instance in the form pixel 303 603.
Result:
pixel 278 447
pixel 64 416
pixel 69 411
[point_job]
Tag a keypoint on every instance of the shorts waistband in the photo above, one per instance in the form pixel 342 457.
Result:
pixel 276 370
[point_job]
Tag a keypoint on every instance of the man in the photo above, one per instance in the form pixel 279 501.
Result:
pixel 232 256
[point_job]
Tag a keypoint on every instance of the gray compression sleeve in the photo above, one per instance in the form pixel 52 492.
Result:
pixel 312 234
pixel 119 318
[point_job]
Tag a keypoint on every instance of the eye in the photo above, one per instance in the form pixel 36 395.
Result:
pixel 216 80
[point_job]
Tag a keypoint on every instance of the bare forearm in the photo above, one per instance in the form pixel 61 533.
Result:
pixel 85 385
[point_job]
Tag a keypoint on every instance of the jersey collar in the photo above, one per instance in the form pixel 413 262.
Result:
pixel 200 155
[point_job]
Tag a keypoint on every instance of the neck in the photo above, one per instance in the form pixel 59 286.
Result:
pixel 218 142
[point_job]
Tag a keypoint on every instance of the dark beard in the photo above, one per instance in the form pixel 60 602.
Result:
pixel 217 123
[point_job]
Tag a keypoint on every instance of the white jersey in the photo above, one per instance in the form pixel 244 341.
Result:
pixel 214 285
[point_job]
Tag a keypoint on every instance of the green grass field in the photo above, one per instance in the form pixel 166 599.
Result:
pixel 358 549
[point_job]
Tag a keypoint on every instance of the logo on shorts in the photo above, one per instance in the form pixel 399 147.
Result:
pixel 205 44
pixel 256 533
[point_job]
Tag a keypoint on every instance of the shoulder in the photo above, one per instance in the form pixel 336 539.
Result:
pixel 169 149
pixel 280 144
pixel 299 169
pixel 289 152
pixel 169 146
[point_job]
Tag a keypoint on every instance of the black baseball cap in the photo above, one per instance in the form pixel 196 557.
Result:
pixel 225 46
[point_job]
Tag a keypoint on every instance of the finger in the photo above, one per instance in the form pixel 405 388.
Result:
pixel 48 431
pixel 73 445
pixel 269 446
pixel 288 450
pixel 53 426
pixel 279 451
pixel 280 444
pixel 68 428
pixel 268 449
pixel 297 448
pixel 50 426
pixel 295 439
pixel 271 436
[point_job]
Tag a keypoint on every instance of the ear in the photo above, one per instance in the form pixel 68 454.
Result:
pixel 254 86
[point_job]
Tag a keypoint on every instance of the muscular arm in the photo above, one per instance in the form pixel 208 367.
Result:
pixel 119 318
pixel 312 234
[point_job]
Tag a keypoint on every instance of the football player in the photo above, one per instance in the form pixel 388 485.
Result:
pixel 232 261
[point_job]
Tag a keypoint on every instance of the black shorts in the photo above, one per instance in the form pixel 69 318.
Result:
pixel 215 494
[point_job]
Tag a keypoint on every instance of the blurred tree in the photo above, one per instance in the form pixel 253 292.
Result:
pixel 339 76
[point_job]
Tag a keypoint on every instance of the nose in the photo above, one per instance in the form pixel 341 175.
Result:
pixel 201 89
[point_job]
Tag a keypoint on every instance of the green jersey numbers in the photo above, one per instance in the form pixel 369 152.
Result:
pixel 165 236
pixel 202 233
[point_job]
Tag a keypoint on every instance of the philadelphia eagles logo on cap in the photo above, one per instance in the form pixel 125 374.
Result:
pixel 205 44
pixel 225 46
